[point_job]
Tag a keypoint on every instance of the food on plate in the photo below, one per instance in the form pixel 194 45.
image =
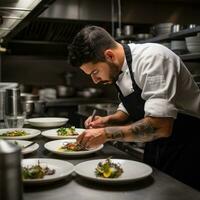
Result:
pixel 71 146
pixel 14 133
pixel 36 171
pixel 108 169
pixel 67 131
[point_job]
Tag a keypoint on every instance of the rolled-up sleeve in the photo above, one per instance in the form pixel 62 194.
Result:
pixel 122 108
pixel 160 108
pixel 159 85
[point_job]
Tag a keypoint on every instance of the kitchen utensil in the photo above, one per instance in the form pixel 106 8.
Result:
pixel 28 145
pixel 93 115
pixel 10 171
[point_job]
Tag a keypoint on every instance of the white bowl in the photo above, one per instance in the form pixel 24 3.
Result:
pixel 47 121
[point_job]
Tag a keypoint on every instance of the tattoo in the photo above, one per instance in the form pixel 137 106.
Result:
pixel 114 133
pixel 143 131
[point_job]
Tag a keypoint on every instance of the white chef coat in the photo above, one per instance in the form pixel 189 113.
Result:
pixel 167 85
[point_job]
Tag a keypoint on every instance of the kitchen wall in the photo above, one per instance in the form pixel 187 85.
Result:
pixel 133 11
pixel 38 72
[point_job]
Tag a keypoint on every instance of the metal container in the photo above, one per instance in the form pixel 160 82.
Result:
pixel 32 105
pixel 14 113
pixel 128 30
pixel 13 104
pixel 11 186
pixel 3 87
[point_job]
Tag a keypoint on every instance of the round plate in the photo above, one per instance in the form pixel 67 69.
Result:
pixel 62 169
pixel 47 121
pixel 27 150
pixel 54 145
pixel 133 171
pixel 52 134
pixel 31 133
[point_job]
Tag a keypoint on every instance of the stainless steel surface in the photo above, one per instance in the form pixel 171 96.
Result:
pixel 13 12
pixel 176 28
pixel 158 186
pixel 32 104
pixel 128 30
pixel 3 87
pixel 13 104
pixel 10 171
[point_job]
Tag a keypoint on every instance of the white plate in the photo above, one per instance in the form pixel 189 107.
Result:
pixel 133 171
pixel 47 121
pixel 27 150
pixel 62 169
pixel 31 133
pixel 52 134
pixel 54 145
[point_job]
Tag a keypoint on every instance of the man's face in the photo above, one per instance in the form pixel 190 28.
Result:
pixel 101 72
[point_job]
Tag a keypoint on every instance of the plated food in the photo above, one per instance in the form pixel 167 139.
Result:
pixel 63 133
pixel 69 147
pixel 14 133
pixel 132 171
pixel 24 145
pixel 45 122
pixel 36 171
pixel 108 169
pixel 42 170
pixel 19 133
pixel 72 147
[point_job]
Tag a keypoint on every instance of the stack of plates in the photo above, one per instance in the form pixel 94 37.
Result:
pixel 178 46
pixel 163 28
pixel 193 44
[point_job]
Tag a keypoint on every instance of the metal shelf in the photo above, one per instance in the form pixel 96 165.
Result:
pixel 192 56
pixel 171 36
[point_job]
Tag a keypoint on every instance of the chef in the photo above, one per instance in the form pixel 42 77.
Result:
pixel 160 102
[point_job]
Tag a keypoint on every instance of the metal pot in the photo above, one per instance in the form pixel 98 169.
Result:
pixel 90 92
pixel 32 104
pixel 66 91
pixel 29 97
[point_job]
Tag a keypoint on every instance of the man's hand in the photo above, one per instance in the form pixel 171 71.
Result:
pixel 98 122
pixel 92 138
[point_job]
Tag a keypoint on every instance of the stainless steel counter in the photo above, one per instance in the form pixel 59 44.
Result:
pixel 158 186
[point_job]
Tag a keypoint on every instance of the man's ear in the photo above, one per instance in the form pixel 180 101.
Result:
pixel 109 55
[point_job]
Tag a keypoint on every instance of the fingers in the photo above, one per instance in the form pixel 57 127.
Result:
pixel 96 123
pixel 91 138
pixel 87 122
pixel 80 137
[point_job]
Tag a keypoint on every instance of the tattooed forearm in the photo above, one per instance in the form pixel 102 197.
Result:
pixel 114 133
pixel 143 131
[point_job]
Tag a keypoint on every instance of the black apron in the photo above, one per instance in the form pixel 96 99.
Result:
pixel 176 155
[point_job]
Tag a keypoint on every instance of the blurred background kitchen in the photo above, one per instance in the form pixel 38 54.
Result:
pixel 35 34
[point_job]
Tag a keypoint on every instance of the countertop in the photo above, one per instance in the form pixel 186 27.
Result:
pixel 158 186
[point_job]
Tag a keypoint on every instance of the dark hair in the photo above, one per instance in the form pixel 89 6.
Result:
pixel 89 46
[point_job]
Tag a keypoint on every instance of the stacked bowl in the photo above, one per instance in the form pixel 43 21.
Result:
pixel 193 43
